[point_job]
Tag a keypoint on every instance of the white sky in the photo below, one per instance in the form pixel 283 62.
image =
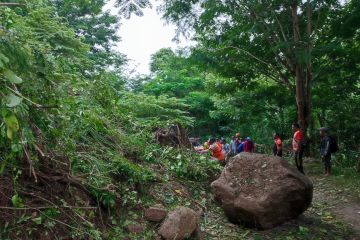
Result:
pixel 143 36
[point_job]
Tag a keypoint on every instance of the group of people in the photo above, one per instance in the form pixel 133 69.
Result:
pixel 328 146
pixel 221 150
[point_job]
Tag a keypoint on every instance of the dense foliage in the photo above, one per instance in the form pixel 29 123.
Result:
pixel 63 98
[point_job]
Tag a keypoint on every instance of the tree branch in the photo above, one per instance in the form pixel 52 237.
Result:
pixel 20 95
pixel 248 53
pixel 12 5
pixel 45 207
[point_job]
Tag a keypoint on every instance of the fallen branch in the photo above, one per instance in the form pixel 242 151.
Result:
pixel 27 99
pixel 39 150
pixel 46 107
pixel 12 5
pixel 45 207
pixel 67 179
pixel 32 170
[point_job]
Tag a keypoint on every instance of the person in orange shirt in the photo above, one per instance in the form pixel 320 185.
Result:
pixel 297 144
pixel 216 150
pixel 277 145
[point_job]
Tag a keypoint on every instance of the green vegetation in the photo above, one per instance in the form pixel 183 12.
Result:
pixel 79 158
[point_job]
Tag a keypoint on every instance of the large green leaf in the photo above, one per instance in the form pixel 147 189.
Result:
pixel 12 125
pixel 11 76
pixel 3 60
pixel 12 100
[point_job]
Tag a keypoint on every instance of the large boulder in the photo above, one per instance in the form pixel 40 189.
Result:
pixel 261 191
pixel 181 223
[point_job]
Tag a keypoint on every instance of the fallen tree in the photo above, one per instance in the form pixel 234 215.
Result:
pixel 174 136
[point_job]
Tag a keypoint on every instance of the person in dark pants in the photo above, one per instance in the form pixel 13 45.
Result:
pixel 325 150
pixel 277 145
pixel 297 144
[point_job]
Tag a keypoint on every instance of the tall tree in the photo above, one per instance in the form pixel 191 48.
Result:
pixel 247 39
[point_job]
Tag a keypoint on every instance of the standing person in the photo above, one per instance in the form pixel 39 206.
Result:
pixel 233 144
pixel 240 147
pixel 325 150
pixel 277 145
pixel 225 147
pixel 249 145
pixel 297 144
pixel 238 138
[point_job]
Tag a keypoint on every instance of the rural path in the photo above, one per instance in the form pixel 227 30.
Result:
pixel 341 202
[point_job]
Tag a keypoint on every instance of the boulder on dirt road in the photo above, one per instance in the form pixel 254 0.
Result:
pixel 156 213
pixel 181 223
pixel 261 191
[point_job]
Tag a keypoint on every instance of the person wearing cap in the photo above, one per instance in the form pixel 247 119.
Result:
pixel 325 150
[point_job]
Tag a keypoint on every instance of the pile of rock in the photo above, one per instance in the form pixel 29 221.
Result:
pixel 181 223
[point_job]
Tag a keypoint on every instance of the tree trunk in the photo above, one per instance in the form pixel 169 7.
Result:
pixel 303 72
pixel 358 166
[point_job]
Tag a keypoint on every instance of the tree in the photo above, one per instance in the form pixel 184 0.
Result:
pixel 174 74
pixel 247 39
pixel 97 28
pixel 127 7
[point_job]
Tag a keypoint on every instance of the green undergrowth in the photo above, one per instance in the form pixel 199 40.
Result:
pixel 75 124
pixel 345 178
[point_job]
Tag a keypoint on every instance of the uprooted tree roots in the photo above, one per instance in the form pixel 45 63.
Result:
pixel 174 136
pixel 45 192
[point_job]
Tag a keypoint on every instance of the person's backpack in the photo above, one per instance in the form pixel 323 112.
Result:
pixel 333 144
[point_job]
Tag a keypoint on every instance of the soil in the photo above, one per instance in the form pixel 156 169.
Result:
pixel 335 214
pixel 350 212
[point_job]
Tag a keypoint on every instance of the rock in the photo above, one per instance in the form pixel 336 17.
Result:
pixel 156 213
pixel 198 234
pixel 135 228
pixel 158 237
pixel 179 224
pixel 261 191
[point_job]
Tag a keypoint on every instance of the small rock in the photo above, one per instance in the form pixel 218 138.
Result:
pixel 156 213
pixel 179 224
pixel 135 228
pixel 199 234
pixel 158 237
